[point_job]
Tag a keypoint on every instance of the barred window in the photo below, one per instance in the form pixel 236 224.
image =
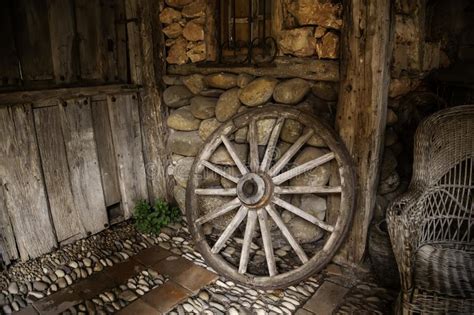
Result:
pixel 244 32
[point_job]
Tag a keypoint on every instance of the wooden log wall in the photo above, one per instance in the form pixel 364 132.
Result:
pixel 63 163
pixel 75 146
pixel 46 43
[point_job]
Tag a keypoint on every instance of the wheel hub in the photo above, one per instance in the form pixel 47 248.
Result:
pixel 254 190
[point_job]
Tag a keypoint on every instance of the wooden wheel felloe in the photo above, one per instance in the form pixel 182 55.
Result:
pixel 259 190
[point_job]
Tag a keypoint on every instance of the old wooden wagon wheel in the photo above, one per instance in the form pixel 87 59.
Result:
pixel 255 201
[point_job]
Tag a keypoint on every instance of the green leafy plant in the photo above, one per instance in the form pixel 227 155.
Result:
pixel 150 219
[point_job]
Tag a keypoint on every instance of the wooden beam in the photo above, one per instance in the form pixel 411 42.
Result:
pixel 285 67
pixel 210 31
pixel 277 21
pixel 361 113
pixel 39 96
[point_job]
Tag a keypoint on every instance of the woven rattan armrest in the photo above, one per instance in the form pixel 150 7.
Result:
pixel 402 222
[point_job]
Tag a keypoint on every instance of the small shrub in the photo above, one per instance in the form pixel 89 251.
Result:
pixel 150 219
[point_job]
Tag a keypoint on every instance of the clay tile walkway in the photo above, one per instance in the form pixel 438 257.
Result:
pixel 185 279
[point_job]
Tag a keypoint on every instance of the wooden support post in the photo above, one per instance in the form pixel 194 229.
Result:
pixel 277 21
pixel 153 113
pixel 361 112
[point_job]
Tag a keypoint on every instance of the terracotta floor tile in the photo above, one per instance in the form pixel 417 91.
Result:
pixel 302 311
pixel 94 285
pixel 121 272
pixel 172 266
pixel 152 255
pixel 139 307
pixel 328 296
pixel 74 294
pixel 29 310
pixel 166 296
pixel 195 278
pixel 58 302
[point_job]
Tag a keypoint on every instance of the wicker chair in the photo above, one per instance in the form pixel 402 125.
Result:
pixel 432 226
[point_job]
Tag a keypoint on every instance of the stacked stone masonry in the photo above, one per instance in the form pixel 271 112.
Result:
pixel 199 104
pixel 410 100
pixel 310 28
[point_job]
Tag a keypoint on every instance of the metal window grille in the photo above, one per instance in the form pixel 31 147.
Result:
pixel 244 32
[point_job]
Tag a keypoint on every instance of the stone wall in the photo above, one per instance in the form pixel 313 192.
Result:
pixel 199 104
pixel 183 23
pixel 309 28
pixel 415 56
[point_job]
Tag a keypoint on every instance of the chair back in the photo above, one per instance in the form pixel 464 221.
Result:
pixel 444 167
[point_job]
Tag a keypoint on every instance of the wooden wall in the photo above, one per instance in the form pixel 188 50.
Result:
pixel 46 43
pixel 63 163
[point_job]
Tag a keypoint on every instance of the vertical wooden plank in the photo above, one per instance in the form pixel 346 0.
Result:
pixel 23 183
pixel 365 72
pixel 105 152
pixel 64 213
pixel 63 40
pixel 115 40
pixel 7 237
pixel 121 40
pixel 134 46
pixel 9 74
pixel 91 42
pixel 81 153
pixel 126 134
pixel 108 8
pixel 33 40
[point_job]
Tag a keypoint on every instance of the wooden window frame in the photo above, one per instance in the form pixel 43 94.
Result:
pixel 265 30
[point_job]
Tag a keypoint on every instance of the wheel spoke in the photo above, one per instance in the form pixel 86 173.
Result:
pixel 219 171
pixel 230 229
pixel 290 153
pixel 303 214
pixel 233 154
pixel 267 241
pixel 234 203
pixel 216 191
pixel 293 243
pixel 300 169
pixel 272 142
pixel 252 138
pixel 249 229
pixel 288 190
